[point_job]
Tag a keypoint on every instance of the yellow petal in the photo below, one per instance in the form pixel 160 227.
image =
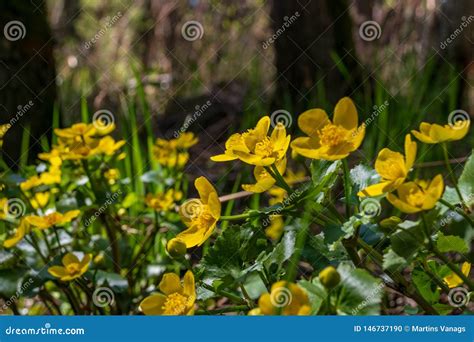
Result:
pixel 170 284
pixel 193 236
pixel 401 205
pixel 188 284
pixel 70 258
pixel 357 136
pixel 410 153
pixel 439 133
pixel 253 159
pixel 345 114
pixel 311 121
pixel 390 165
pixel 214 205
pixel 434 192
pixel 70 215
pixel 459 132
pixel 374 190
pixel 153 305
pixel 37 221
pixel 423 137
pixel 265 304
pixel 260 186
pixel 262 127
pixel 223 157
pixel 57 271
pixel 204 188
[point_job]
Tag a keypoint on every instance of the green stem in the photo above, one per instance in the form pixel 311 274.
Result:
pixel 451 173
pixel 249 300
pixel 226 294
pixel 235 308
pixel 280 181
pixel 347 186
pixel 457 210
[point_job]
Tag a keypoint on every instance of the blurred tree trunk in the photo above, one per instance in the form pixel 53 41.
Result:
pixel 304 48
pixel 27 75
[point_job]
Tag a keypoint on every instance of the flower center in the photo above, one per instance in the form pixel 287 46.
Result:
pixel 73 269
pixel 416 198
pixel 332 135
pixel 264 147
pixel 204 219
pixel 52 219
pixel 175 304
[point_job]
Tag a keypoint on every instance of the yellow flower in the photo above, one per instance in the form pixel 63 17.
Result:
pixel 434 133
pixel 3 130
pixel 79 130
pixel 53 219
pixel 255 147
pixel 163 201
pixel 453 280
pixel 53 157
pixel 72 267
pixel 200 215
pixel 264 180
pixel 175 299
pixel 329 140
pixel 40 199
pixel 417 196
pixel 106 145
pixel 173 152
pixel 288 299
pixel 3 208
pixel 112 175
pixel 275 229
pixel 22 230
pixel 393 168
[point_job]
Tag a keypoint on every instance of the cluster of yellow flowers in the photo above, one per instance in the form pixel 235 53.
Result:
pixel 174 153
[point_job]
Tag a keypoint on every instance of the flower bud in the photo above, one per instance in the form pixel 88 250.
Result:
pixel 329 277
pixel 176 248
pixel 390 223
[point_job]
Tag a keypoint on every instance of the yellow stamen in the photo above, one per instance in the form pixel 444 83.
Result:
pixel 175 304
pixel 333 135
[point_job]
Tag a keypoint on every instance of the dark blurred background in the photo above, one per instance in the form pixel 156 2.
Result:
pixel 247 58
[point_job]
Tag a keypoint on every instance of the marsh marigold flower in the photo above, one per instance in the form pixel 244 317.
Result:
pixel 285 299
pixel 52 219
pixel 418 195
pixel 72 267
pixel 174 152
pixel 453 280
pixel 163 201
pixel 175 298
pixel 200 215
pixel 434 133
pixel 329 140
pixel 255 147
pixel 3 130
pixel 393 169
pixel 21 231
pixel 264 180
